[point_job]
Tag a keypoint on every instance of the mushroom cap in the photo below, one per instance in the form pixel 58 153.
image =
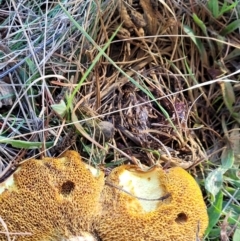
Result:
pixel 127 215
pixel 53 198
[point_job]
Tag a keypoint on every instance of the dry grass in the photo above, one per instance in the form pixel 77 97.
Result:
pixel 168 81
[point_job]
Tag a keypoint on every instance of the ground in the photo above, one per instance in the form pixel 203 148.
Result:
pixel 163 74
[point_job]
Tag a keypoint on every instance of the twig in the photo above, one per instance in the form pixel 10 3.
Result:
pixel 140 198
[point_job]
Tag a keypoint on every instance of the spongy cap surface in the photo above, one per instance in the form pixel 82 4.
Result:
pixel 180 216
pixel 53 198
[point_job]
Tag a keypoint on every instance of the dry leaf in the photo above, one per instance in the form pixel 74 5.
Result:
pixel 6 94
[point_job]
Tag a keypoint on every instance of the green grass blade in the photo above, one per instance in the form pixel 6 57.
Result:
pixel 225 8
pixel 200 23
pixel 213 7
pixel 197 42
pixel 214 212
pixel 231 27
pixel 203 27
pixel 23 144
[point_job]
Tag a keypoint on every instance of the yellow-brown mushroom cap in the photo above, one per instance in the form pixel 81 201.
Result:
pixel 53 198
pixel 180 216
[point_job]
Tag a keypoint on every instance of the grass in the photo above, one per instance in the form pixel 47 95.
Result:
pixel 171 89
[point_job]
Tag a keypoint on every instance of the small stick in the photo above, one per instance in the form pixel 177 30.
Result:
pixel 140 198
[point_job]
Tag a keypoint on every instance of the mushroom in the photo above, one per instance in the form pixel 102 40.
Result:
pixel 65 199
pixel 51 199
pixel 163 205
